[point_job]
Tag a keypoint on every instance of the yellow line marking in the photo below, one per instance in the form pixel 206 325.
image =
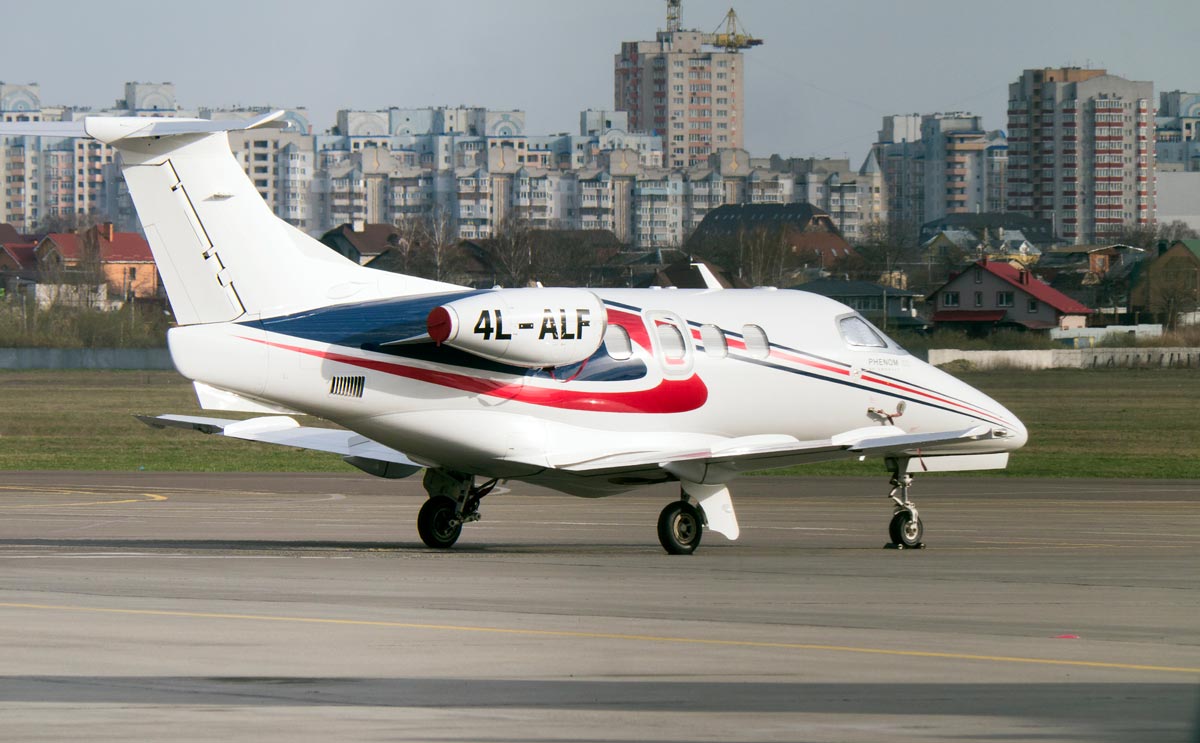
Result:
pixel 605 636
pixel 145 498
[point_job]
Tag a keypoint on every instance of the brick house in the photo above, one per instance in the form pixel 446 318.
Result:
pixel 123 260
pixel 990 294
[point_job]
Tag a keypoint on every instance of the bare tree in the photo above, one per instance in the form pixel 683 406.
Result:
pixel 427 245
pixel 510 251
pixel 1175 289
pixel 441 244
pixel 1148 236
pixel 887 246
pixel 766 256
pixel 72 222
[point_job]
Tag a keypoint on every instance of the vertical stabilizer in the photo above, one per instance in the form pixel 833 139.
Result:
pixel 221 252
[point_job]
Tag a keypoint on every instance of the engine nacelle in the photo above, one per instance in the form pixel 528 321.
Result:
pixel 532 328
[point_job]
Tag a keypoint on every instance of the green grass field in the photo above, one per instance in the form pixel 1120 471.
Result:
pixel 1103 423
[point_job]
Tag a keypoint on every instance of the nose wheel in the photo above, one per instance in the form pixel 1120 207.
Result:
pixel 906 528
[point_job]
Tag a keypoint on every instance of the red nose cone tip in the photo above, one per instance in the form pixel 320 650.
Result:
pixel 439 324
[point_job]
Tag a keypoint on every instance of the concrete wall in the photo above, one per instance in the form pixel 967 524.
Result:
pixel 1068 358
pixel 85 358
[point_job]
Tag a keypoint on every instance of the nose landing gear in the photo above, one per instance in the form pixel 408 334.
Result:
pixel 906 528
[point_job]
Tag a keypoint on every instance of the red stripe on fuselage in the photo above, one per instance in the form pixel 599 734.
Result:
pixel 633 324
pixel 668 396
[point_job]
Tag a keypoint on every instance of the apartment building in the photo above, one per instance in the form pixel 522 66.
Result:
pixel 853 198
pixel 1177 132
pixel 1081 151
pixel 937 164
pixel 684 91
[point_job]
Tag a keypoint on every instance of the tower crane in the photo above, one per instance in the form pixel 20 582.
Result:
pixel 730 35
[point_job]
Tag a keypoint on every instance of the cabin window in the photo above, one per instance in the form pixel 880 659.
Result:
pixel 1004 299
pixel 670 340
pixel 978 299
pixel 1033 305
pixel 949 299
pixel 617 343
pixel 714 341
pixel 756 341
pixel 857 332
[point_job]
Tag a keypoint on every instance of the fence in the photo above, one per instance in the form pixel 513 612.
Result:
pixel 1070 358
pixel 85 358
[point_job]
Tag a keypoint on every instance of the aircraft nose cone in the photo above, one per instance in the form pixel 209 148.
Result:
pixel 1017 433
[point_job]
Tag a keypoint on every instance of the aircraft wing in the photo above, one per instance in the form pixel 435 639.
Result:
pixel 358 450
pixel 732 456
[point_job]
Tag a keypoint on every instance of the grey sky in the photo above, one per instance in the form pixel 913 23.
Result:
pixel 818 86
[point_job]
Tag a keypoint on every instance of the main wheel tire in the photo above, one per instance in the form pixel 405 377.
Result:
pixel 434 522
pixel 904 531
pixel 680 527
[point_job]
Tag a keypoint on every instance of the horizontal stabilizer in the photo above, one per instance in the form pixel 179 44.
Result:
pixel 110 129
pixel 278 429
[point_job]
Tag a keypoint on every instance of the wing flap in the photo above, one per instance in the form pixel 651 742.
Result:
pixel 285 431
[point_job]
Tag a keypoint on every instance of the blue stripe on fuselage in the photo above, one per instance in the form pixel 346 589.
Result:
pixel 370 325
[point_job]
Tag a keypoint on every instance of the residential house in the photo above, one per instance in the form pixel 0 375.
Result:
pixel 808 233
pixel 120 261
pixel 991 294
pixel 1168 287
pixel 17 257
pixel 362 245
pixel 886 306
pixel 1098 276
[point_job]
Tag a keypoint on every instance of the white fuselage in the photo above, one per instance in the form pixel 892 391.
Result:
pixel 811 378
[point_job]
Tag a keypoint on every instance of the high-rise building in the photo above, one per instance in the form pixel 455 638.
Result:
pixel 941 163
pixel 687 87
pixel 965 165
pixel 900 155
pixel 1178 131
pixel 1081 151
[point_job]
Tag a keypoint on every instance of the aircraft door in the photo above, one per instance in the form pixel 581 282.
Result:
pixel 672 341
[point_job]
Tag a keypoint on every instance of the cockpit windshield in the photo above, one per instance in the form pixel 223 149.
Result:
pixel 859 333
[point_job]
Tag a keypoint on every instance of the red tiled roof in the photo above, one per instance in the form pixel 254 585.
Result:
pixel 22 254
pixel 968 316
pixel 67 244
pixel 827 244
pixel 1039 290
pixel 373 240
pixel 125 247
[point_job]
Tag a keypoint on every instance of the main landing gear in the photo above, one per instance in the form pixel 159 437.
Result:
pixel 680 526
pixel 906 528
pixel 453 501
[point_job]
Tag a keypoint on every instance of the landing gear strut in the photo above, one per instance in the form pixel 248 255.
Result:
pixel 680 526
pixel 453 501
pixel 906 528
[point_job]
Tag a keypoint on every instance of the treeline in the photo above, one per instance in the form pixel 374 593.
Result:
pixel 136 325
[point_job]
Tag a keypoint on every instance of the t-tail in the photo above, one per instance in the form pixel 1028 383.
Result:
pixel 220 251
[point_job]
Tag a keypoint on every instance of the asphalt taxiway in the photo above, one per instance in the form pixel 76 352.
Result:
pixel 303 607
